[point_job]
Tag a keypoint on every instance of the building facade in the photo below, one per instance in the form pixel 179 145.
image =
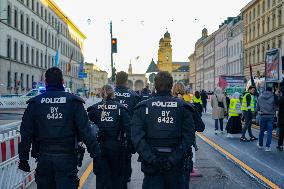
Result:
pixel 235 47
pixel 199 55
pixel 209 63
pixel 32 31
pixel 192 71
pixel 181 75
pixel 263 30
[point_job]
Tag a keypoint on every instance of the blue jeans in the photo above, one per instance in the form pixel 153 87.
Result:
pixel 265 122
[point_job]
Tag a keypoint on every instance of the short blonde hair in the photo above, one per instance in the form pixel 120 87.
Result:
pixel 178 88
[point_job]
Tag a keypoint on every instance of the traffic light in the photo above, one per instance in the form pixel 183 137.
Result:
pixel 114 45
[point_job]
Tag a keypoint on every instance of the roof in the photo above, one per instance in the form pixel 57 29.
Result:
pixel 152 67
pixel 167 34
pixel 182 69
pixel 182 63
pixel 52 5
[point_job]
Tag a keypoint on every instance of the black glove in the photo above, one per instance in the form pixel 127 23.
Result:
pixel 166 165
pixel 24 165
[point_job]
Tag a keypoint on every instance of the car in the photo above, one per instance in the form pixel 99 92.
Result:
pixel 38 91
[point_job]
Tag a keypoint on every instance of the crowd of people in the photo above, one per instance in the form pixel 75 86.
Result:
pixel 160 126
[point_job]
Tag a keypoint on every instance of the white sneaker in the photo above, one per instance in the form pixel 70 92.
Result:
pixel 267 149
pixel 259 147
pixel 229 135
pixel 216 132
pixel 221 132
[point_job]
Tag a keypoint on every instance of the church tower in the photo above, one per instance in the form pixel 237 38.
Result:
pixel 165 62
pixel 130 69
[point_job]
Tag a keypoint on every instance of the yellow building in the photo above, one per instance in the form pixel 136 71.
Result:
pixel 263 30
pixel 165 61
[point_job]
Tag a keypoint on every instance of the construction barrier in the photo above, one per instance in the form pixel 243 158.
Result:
pixel 11 177
pixel 9 145
pixel 13 102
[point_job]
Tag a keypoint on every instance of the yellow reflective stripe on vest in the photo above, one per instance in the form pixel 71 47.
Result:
pixel 197 100
pixel 233 107
pixel 244 103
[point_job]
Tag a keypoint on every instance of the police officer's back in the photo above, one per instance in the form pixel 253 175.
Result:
pixel 53 122
pixel 113 120
pixel 163 134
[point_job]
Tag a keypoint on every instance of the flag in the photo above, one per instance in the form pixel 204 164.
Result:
pixel 69 64
pixel 56 59
pixel 251 77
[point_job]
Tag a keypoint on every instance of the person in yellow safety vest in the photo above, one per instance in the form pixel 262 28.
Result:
pixel 187 97
pixel 198 102
pixel 234 125
pixel 248 109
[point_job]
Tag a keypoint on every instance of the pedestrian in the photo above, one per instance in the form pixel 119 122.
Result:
pixel 178 90
pixel 198 102
pixel 228 104
pixel 53 122
pixel 129 99
pixel 163 135
pixel 280 103
pixel 113 121
pixel 248 102
pixel 188 96
pixel 204 98
pixel 145 93
pixel 234 125
pixel 266 108
pixel 219 108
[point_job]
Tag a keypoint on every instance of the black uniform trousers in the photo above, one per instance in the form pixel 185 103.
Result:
pixel 57 171
pixel 170 180
pixel 110 168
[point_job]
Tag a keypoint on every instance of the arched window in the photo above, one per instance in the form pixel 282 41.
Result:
pixel 8 48
pixel 15 50
pixel 15 18
pixel 27 54
pixel 9 14
pixel 22 53
pixel 28 26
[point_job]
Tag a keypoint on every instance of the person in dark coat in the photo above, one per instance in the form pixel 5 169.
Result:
pixel 280 103
pixel 204 98
pixel 113 121
pixel 145 93
pixel 163 135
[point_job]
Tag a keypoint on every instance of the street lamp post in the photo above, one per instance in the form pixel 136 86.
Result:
pixel 112 68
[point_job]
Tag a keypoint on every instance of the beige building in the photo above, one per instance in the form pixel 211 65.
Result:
pixel 263 30
pixel 199 52
pixel 96 78
pixel 136 82
pixel 192 70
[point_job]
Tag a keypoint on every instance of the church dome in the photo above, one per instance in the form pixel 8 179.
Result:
pixel 167 35
pixel 161 40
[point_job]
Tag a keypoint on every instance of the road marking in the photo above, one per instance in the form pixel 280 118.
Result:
pixel 86 175
pixel 239 162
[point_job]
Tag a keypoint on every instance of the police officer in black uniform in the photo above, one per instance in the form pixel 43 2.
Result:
pixel 129 99
pixel 53 123
pixel 113 120
pixel 145 93
pixel 163 135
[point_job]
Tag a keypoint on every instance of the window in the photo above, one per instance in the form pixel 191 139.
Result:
pixel 8 48
pixel 33 5
pixel 45 14
pixel 22 53
pixel 268 24
pixel 33 29
pixel 27 81
pixel 48 39
pixel 45 36
pixel 263 7
pixel 279 17
pixel 268 4
pixel 22 80
pixel 273 21
pixel 41 34
pixel 37 31
pixel 9 14
pixel 33 56
pixel 15 50
pixel 37 58
pixel 41 11
pixel 22 23
pixel 15 18
pixel 41 60
pixel 258 9
pixel 45 61
pixel 33 79
pixel 9 79
pixel 37 8
pixel 27 54
pixel 15 79
pixel 27 26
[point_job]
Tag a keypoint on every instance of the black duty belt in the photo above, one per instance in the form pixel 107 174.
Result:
pixel 56 149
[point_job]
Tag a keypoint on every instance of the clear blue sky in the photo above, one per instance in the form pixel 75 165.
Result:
pixel 139 25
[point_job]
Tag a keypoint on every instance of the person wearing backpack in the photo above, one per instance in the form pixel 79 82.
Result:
pixel 219 108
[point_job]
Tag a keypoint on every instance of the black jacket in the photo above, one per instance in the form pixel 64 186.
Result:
pixel 280 104
pixel 56 118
